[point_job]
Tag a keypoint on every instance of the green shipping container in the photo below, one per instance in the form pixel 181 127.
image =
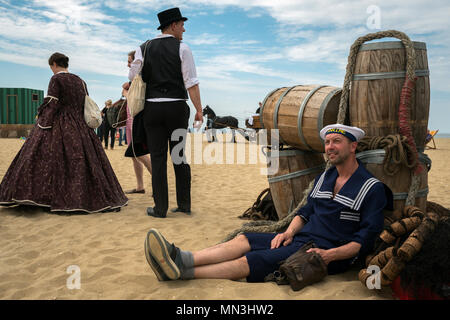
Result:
pixel 19 105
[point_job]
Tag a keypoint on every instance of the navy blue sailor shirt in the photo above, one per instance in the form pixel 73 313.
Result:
pixel 355 213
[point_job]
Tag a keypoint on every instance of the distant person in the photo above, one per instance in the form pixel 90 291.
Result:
pixel 99 130
pixel 259 108
pixel 62 165
pixel 137 141
pixel 169 72
pixel 121 131
pixel 110 118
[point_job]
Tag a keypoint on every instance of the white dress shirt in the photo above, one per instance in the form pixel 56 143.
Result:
pixel 187 68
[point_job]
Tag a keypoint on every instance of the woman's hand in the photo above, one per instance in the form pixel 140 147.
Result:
pixel 126 86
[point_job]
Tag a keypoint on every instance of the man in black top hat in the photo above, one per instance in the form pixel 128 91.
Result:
pixel 169 72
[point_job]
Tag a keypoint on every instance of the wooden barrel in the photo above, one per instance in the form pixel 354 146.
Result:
pixel 376 86
pixel 401 181
pixel 296 169
pixel 300 112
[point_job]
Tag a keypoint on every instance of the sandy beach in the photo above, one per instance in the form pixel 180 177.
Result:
pixel 37 247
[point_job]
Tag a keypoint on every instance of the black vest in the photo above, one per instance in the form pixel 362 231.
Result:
pixel 162 69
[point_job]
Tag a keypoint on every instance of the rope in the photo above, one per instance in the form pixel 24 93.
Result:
pixel 409 234
pixel 397 151
pixel 413 189
pixel 270 226
pixel 354 49
pixel 408 87
pixel 118 123
pixel 440 210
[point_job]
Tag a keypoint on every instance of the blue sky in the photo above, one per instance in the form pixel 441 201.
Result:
pixel 242 49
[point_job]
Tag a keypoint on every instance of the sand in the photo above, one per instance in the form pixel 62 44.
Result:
pixel 107 249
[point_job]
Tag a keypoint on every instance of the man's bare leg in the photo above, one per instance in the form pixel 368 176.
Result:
pixel 224 261
pixel 233 270
pixel 222 252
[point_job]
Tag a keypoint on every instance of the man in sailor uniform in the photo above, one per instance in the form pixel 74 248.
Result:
pixel 343 216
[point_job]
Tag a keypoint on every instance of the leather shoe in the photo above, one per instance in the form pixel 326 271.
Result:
pixel 187 211
pixel 151 212
pixel 134 191
pixel 166 255
pixel 153 263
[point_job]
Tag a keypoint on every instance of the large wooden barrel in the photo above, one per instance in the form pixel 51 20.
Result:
pixel 376 86
pixel 401 181
pixel 300 112
pixel 296 169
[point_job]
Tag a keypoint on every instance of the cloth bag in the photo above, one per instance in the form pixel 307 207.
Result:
pixel 301 269
pixel 92 114
pixel 136 93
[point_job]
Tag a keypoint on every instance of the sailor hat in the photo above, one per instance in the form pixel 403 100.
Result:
pixel 353 133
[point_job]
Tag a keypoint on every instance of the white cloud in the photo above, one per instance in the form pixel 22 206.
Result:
pixel 204 39
pixel 95 36
pixel 76 28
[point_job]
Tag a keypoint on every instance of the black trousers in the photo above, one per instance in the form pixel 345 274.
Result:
pixel 161 120
pixel 109 131
pixel 100 132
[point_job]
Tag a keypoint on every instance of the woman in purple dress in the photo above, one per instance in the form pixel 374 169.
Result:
pixel 62 165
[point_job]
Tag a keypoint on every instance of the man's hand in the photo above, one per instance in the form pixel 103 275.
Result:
pixel 194 94
pixel 345 251
pixel 126 85
pixel 327 255
pixel 284 239
pixel 199 116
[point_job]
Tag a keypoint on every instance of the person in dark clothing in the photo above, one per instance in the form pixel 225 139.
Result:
pixel 62 165
pixel 169 71
pixel 100 133
pixel 137 141
pixel 343 216
pixel 109 118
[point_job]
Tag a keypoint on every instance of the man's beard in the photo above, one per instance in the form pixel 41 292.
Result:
pixel 339 158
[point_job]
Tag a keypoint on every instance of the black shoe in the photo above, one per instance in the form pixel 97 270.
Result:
pixel 178 209
pixel 151 212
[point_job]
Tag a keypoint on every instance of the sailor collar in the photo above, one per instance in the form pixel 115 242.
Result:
pixel 352 193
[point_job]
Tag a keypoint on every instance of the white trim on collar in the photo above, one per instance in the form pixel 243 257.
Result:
pixel 354 204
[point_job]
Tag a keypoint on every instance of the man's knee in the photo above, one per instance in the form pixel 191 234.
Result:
pixel 242 267
pixel 243 241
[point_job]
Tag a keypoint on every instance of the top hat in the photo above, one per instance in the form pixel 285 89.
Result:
pixel 168 16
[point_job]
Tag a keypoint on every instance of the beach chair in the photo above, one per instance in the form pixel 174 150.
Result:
pixel 430 138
